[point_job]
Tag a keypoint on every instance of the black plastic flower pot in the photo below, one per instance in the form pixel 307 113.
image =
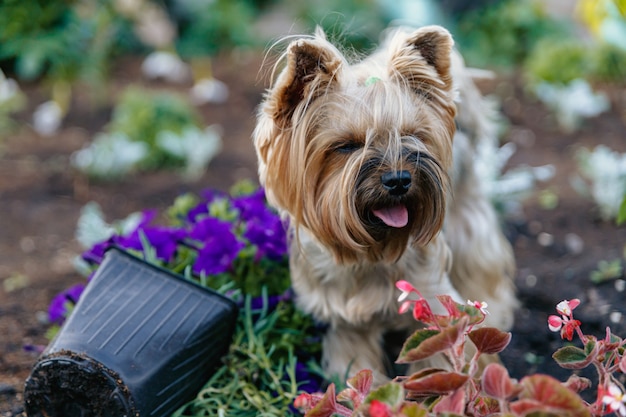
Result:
pixel 141 341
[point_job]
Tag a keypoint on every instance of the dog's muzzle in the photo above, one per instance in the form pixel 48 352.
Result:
pixel 396 183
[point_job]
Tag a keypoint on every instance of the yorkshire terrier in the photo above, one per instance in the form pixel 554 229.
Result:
pixel 373 164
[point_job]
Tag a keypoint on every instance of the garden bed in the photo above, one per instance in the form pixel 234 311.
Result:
pixel 41 199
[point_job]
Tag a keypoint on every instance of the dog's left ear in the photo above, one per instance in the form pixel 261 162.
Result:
pixel 423 60
pixel 311 69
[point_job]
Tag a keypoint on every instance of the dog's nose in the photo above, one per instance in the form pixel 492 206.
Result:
pixel 396 182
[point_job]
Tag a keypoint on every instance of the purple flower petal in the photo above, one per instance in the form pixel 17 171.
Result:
pixel 58 309
pixel 219 246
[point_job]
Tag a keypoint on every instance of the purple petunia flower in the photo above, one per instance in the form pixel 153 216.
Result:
pixel 163 239
pixel 96 253
pixel 58 309
pixel 268 236
pixel 219 247
pixel 264 228
pixel 252 206
pixel 202 208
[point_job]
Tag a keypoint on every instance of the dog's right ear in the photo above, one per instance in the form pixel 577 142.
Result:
pixel 311 70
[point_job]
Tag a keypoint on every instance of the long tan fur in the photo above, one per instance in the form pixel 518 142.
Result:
pixel 359 157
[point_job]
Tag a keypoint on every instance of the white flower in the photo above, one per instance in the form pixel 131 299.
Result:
pixel 209 90
pixel 606 171
pixel 110 156
pixel 615 399
pixel 514 184
pixel 167 66
pixel 92 227
pixel 572 102
pixel 47 118
pixel 195 146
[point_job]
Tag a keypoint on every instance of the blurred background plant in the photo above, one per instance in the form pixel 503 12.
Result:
pixel 12 100
pixel 603 179
pixel 150 130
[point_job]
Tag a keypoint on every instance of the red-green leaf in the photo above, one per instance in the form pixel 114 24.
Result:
pixel 391 394
pixel 425 343
pixel 451 306
pixel 413 410
pixel 572 357
pixel 326 406
pixel 451 404
pixel 497 383
pixel 577 383
pixel 362 381
pixel 486 406
pixel 490 340
pixel 415 340
pixel 435 383
pixel 358 387
pixel 544 394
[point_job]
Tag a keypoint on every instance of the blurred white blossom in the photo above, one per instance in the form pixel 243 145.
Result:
pixel 9 89
pixel 506 187
pixel 47 118
pixel 166 65
pixel 153 27
pixel 197 147
pixel 209 90
pixel 572 102
pixel 128 8
pixel 110 156
pixel 92 228
pixel 605 171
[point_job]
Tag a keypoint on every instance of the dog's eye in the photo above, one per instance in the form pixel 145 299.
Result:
pixel 348 147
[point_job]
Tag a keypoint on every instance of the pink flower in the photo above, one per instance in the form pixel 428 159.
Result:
pixel 421 308
pixel 422 311
pixel 303 401
pixel 406 289
pixel 481 305
pixel 615 399
pixel 566 323
pixel 379 409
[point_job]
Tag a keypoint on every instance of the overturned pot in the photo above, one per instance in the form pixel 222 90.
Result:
pixel 141 341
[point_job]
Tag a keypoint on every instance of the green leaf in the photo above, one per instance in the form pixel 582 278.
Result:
pixel 415 340
pixel 414 410
pixel 490 340
pixel 391 394
pixel 572 357
pixel 425 343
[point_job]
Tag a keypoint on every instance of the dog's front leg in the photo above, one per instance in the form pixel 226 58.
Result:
pixel 348 349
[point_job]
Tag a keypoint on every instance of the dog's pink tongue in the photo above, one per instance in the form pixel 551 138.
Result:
pixel 396 216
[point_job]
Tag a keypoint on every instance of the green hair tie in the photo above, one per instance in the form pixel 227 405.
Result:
pixel 371 80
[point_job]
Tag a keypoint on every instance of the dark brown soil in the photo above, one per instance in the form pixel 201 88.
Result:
pixel 41 197
pixel 70 384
